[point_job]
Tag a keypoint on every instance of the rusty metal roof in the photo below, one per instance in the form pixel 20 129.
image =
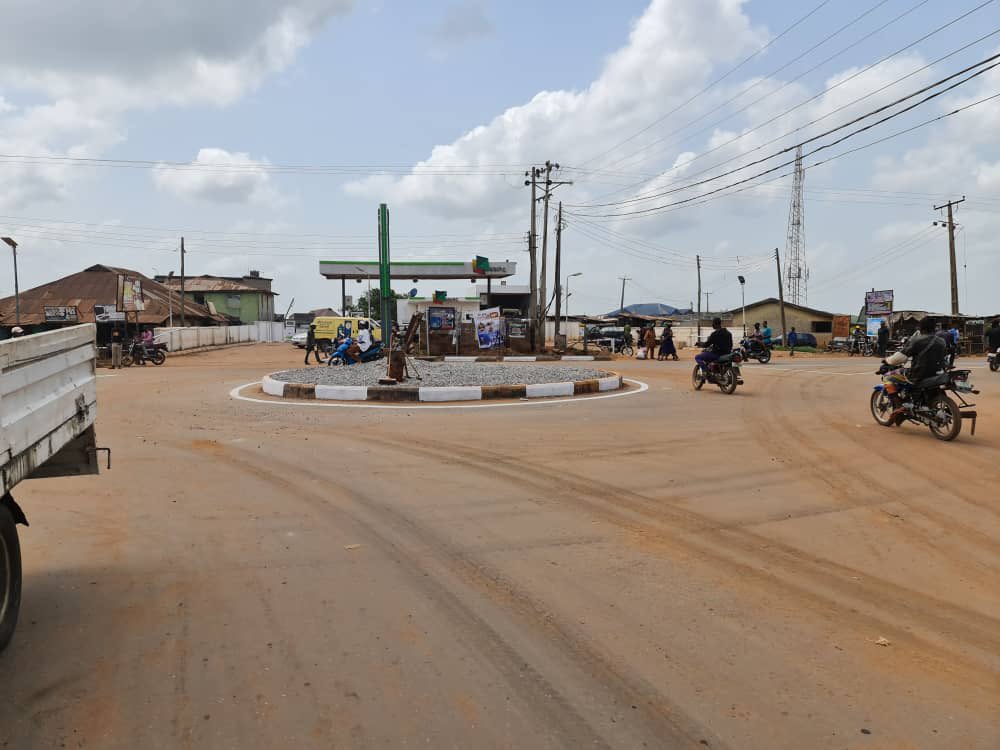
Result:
pixel 98 285
pixel 215 284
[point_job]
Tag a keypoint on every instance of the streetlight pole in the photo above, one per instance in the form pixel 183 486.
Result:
pixel 743 297
pixel 170 297
pixel 17 292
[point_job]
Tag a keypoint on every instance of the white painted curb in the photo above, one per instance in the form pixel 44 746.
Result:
pixel 272 387
pixel 456 358
pixel 611 383
pixel 578 358
pixel 342 392
pixel 451 393
pixel 540 390
pixel 520 359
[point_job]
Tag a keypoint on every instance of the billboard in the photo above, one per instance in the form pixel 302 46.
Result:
pixel 874 323
pixel 487 323
pixel 878 303
pixel 108 314
pixel 130 294
pixel 441 318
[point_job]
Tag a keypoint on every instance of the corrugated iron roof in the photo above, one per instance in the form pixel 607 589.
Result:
pixel 98 285
pixel 215 284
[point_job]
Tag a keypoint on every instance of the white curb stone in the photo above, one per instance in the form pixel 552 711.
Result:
pixel 611 383
pixel 273 387
pixel 459 359
pixel 342 392
pixel 451 393
pixel 520 359
pixel 540 390
pixel 578 358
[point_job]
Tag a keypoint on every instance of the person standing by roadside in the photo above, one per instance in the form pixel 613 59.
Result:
pixel 667 348
pixel 649 339
pixel 311 345
pixel 793 340
pixel 627 334
pixel 993 337
pixel 883 340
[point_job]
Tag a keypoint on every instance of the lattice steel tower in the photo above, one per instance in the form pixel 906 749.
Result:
pixel 796 271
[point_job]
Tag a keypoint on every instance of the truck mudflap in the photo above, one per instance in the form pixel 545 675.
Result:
pixel 15 510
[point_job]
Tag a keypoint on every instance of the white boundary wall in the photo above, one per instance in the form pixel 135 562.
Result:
pixel 179 339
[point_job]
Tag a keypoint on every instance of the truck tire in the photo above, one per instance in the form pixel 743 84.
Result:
pixel 10 577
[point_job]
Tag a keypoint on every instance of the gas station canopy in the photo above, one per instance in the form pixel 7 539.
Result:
pixel 415 269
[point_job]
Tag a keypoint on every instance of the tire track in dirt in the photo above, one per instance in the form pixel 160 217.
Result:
pixel 665 720
pixel 836 590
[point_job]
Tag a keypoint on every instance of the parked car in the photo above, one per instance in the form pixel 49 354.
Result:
pixel 299 339
pixel 804 339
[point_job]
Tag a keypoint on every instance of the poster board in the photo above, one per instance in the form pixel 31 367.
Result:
pixel 441 318
pixel 874 323
pixel 841 327
pixel 487 324
pixel 878 303
pixel 108 314
pixel 61 314
pixel 130 294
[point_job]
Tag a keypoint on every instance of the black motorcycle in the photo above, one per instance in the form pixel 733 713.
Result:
pixel 155 353
pixel 724 372
pixel 755 349
pixel 994 360
pixel 896 400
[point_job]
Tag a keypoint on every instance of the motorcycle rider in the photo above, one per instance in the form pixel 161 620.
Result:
pixel 993 337
pixel 928 352
pixel 719 343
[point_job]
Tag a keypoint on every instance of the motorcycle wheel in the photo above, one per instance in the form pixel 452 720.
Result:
pixel 881 406
pixel 995 363
pixel 127 360
pixel 951 422
pixel 158 357
pixel 697 378
pixel 627 350
pixel 727 381
pixel 764 357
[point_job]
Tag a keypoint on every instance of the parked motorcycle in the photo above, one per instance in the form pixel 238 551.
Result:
pixel 155 353
pixel 994 360
pixel 724 372
pixel 897 400
pixel 754 349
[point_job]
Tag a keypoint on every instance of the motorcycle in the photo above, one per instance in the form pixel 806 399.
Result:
pixel 994 360
pixel 897 400
pixel 724 372
pixel 754 349
pixel 374 352
pixel 155 353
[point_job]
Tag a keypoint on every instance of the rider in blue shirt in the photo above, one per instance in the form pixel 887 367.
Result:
pixel 766 334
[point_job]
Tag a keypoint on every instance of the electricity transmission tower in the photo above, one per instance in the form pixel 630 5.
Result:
pixel 796 271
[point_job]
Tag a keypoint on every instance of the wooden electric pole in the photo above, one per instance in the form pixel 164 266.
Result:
pixel 558 285
pixel 623 279
pixel 533 260
pixel 182 281
pixel 951 252
pixel 781 298
pixel 697 259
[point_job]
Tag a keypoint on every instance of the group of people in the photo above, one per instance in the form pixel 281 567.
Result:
pixel 347 348
pixel 142 342
pixel 648 339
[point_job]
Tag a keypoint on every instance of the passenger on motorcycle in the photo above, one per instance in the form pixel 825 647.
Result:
pixel 719 343
pixel 927 351
pixel 766 334
pixel 364 336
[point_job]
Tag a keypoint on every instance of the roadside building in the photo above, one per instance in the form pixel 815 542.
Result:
pixel 804 319
pixel 240 299
pixel 91 296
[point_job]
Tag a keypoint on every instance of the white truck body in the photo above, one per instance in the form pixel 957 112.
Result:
pixel 48 404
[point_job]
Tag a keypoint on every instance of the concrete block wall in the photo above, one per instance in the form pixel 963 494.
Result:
pixel 180 339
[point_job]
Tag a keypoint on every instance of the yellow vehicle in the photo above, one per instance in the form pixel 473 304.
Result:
pixel 328 329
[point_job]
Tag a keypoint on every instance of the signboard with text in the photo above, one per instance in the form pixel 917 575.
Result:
pixel 878 303
pixel 62 315
pixel 130 294
pixel 441 318
pixel 487 323
pixel 108 314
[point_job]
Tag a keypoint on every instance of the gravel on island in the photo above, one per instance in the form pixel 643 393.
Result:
pixel 443 374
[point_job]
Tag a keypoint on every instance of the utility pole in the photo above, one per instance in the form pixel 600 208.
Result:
pixel 623 280
pixel 533 259
pixel 182 282
pixel 549 186
pixel 781 298
pixel 559 228
pixel 708 308
pixel 697 259
pixel 951 252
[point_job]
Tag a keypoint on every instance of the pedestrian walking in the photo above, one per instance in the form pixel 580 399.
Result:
pixel 883 340
pixel 311 347
pixel 649 339
pixel 793 340
pixel 667 348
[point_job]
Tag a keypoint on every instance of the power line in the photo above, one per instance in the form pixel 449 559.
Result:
pixel 830 131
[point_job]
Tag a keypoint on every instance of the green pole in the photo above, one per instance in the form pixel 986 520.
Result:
pixel 385 289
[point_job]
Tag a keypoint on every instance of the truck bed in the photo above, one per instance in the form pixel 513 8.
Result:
pixel 48 394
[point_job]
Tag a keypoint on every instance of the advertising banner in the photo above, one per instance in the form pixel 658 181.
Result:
pixel 130 294
pixel 874 323
pixel 441 318
pixel 487 323
pixel 878 303
pixel 107 314
pixel 61 315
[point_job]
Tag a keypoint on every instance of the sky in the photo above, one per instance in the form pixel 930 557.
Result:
pixel 266 132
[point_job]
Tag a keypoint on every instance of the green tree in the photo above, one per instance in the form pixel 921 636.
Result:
pixel 370 303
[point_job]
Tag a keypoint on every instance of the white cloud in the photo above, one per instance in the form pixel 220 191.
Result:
pixel 240 179
pixel 461 23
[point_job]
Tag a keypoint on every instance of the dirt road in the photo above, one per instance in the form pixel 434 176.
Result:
pixel 668 569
